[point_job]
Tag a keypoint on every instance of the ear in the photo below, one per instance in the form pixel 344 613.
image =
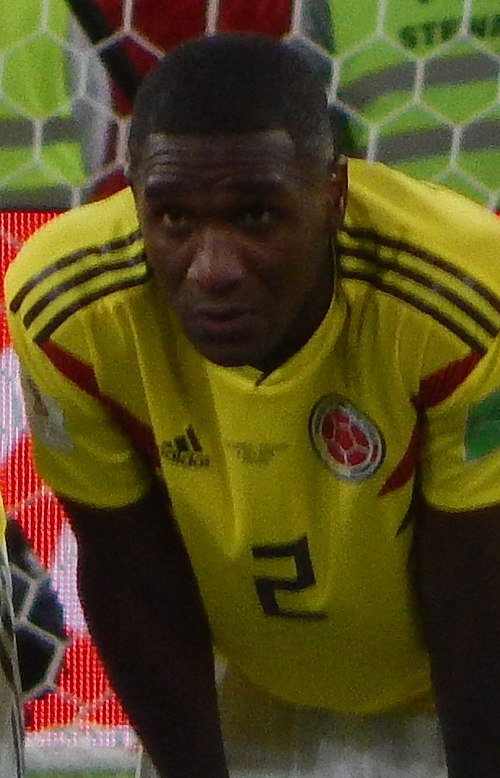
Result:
pixel 131 179
pixel 338 186
pixel 134 185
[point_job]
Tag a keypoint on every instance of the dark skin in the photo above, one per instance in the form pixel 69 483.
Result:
pixel 246 226
pixel 135 580
pixel 457 560
pixel 237 231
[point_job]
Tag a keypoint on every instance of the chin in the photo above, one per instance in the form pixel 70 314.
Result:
pixel 225 352
pixel 225 359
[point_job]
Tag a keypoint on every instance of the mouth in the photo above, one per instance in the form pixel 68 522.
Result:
pixel 223 321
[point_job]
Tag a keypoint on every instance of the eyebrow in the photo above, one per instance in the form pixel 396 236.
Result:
pixel 171 187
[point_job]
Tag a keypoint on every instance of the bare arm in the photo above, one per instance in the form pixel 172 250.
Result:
pixel 145 614
pixel 458 579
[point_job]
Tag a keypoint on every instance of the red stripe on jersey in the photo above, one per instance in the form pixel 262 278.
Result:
pixel 433 390
pixel 441 384
pixel 78 372
pixel 406 467
pixel 83 376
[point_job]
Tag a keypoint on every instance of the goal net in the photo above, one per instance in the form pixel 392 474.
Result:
pixel 411 84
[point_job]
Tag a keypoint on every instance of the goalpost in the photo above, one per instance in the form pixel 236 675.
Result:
pixel 420 92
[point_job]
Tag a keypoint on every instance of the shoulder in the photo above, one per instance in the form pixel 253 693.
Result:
pixel 430 250
pixel 92 229
pixel 76 259
pixel 425 216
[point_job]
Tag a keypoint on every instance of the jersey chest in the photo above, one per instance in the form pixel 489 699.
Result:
pixel 278 489
pixel 252 466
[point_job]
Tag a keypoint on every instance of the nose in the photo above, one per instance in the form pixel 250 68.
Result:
pixel 217 264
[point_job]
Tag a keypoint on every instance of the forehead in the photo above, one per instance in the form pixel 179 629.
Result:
pixel 260 159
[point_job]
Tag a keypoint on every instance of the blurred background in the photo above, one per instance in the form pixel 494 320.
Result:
pixel 413 83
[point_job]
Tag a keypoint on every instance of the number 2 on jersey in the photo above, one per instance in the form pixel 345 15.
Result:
pixel 267 587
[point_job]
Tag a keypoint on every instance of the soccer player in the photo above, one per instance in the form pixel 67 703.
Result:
pixel 270 408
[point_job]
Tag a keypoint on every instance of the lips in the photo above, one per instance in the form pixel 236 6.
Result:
pixel 222 312
pixel 223 320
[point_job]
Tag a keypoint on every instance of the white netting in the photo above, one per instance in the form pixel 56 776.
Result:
pixel 419 82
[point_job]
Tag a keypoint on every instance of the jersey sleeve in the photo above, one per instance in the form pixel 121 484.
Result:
pixel 79 449
pixel 460 451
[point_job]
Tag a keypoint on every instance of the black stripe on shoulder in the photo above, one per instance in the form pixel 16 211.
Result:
pixel 431 259
pixel 63 262
pixel 79 278
pixel 420 305
pixel 85 300
pixel 419 278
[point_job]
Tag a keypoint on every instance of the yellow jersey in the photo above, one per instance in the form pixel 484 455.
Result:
pixel 293 491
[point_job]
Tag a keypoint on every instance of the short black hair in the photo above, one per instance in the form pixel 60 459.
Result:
pixel 231 83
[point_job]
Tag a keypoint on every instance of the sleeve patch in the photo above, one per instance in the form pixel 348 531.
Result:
pixel 482 427
pixel 45 417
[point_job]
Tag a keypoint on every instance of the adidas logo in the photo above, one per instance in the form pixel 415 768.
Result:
pixel 185 450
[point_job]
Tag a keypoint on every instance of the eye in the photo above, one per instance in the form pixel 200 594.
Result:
pixel 177 221
pixel 257 218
